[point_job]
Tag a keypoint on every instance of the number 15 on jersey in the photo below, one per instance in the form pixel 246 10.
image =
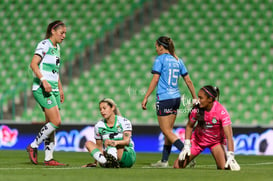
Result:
pixel 173 77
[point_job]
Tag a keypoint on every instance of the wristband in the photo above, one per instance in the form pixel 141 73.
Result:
pixel 42 78
pixel 187 142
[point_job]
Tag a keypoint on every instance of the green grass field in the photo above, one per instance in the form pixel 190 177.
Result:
pixel 14 165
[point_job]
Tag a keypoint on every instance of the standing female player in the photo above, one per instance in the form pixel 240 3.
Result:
pixel 47 90
pixel 213 131
pixel 166 71
pixel 114 147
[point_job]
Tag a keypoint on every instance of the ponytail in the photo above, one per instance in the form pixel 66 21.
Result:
pixel 167 43
pixel 200 114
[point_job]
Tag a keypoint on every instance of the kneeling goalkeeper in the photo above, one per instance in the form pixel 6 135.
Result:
pixel 213 130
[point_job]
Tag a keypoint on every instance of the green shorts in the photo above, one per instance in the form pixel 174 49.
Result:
pixel 47 100
pixel 128 158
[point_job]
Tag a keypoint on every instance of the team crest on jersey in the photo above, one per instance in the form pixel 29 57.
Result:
pixel 49 101
pixel 214 121
pixel 118 129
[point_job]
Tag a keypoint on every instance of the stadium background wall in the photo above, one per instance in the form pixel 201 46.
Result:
pixel 71 137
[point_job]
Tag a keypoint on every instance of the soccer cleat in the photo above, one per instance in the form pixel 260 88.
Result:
pixel 53 162
pixel 111 162
pixel 160 164
pixel 33 154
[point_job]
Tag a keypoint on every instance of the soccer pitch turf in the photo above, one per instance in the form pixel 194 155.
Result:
pixel 15 165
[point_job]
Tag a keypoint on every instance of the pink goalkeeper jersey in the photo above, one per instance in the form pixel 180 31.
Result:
pixel 213 132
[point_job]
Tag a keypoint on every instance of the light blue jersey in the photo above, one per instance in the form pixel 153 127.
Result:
pixel 169 70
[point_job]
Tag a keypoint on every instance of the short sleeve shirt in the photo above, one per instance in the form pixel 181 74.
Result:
pixel 170 69
pixel 215 120
pixel 103 132
pixel 49 65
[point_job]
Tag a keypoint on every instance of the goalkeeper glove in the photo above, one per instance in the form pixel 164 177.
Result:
pixel 231 162
pixel 186 150
pixel 195 102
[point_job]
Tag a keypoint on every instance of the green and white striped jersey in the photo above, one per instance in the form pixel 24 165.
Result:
pixel 49 65
pixel 103 132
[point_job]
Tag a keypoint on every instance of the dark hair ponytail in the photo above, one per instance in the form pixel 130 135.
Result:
pixel 212 92
pixel 167 43
pixel 54 25
pixel 200 114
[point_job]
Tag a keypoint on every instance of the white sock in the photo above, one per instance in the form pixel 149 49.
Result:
pixel 46 130
pixel 113 151
pixel 49 146
pixel 98 156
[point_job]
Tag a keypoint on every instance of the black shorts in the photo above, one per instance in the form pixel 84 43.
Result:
pixel 167 107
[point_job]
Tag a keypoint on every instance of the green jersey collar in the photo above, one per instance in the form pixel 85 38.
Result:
pixel 105 122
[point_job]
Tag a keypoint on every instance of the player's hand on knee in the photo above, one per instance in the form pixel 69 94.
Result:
pixel 186 150
pixel 231 162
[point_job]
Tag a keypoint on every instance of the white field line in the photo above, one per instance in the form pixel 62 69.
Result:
pixel 75 168
pixel 46 168
pixel 208 166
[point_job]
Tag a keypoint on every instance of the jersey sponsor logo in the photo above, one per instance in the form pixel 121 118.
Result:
pixel 57 61
pixel 175 65
pixel 39 49
pixel 103 132
pixel 157 105
pixel 49 101
pixel 112 135
pixel 168 110
pixel 208 125
pixel 127 125
pixel 223 112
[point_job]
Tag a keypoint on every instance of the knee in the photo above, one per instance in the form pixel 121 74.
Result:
pixel 89 145
pixel 56 123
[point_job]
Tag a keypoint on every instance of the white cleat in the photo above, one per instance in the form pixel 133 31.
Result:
pixel 160 164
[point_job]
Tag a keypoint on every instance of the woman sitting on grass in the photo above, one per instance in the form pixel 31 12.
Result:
pixel 114 147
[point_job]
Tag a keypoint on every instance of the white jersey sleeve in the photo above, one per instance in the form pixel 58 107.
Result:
pixel 42 48
pixel 125 123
